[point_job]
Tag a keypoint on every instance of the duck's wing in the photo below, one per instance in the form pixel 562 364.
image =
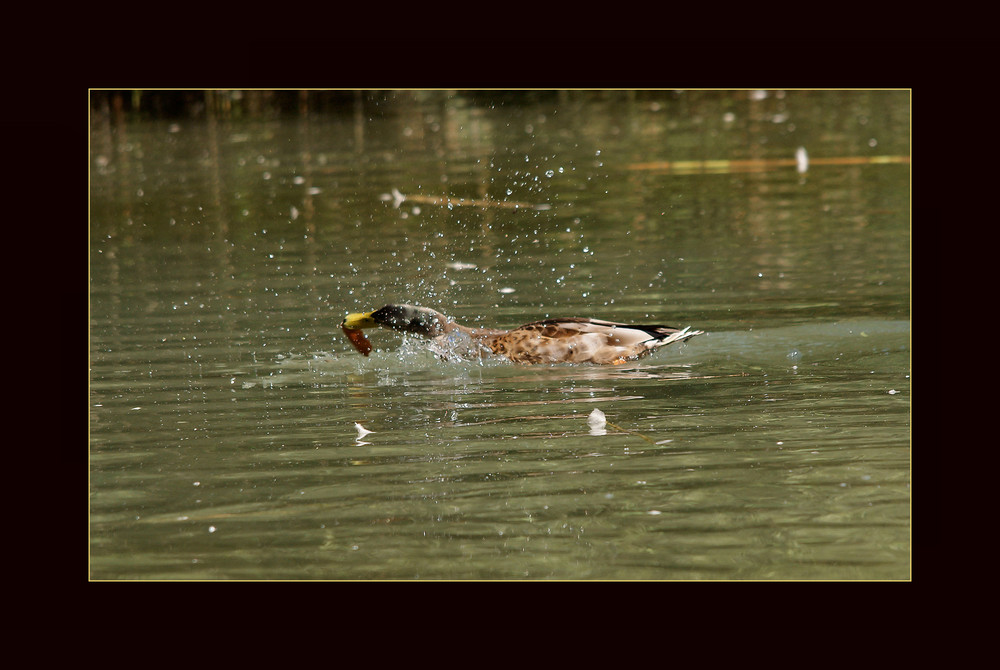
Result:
pixel 625 334
pixel 582 340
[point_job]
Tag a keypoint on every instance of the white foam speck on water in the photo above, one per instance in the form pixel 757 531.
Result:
pixel 801 160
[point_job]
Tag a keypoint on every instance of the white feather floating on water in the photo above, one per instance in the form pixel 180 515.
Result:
pixel 362 431
pixel 597 421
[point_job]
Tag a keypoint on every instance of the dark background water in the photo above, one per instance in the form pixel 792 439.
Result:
pixel 229 234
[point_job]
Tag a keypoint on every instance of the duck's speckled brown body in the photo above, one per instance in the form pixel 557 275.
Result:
pixel 571 340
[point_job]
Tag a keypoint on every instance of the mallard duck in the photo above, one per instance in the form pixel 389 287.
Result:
pixel 572 340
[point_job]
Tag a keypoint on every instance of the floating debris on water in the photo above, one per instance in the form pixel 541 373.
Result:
pixel 398 199
pixel 362 431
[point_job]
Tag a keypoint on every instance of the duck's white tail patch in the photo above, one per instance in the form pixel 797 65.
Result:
pixel 679 336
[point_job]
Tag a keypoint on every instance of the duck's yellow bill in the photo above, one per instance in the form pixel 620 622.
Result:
pixel 358 321
pixel 352 327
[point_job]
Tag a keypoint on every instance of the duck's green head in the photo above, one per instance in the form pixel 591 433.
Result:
pixel 405 318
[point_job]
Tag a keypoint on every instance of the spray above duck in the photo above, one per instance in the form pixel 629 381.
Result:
pixel 567 340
